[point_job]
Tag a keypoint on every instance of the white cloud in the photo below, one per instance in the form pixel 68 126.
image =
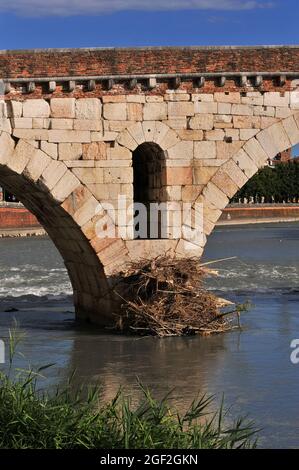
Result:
pixel 90 7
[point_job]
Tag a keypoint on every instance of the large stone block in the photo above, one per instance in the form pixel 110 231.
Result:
pixel 76 199
pixel 7 145
pixel 52 174
pixel 106 137
pixel 126 139
pixel 14 109
pixel 88 125
pixel 205 150
pixel 274 139
pixel 118 175
pixel 50 149
pixel 65 186
pixel 116 126
pixel 155 111
pixel 256 152
pixel 178 175
pixel 161 132
pixel 136 131
pixel 36 108
pixel 111 163
pixel 181 150
pixel 187 249
pixel 22 123
pixel 215 196
pixel 268 121
pixel 232 134
pixel 224 182
pixel 87 211
pixel 114 98
pixel 68 151
pixel 58 136
pixel 224 108
pixel 149 130
pixel 95 151
pixel 223 121
pixel 242 110
pixel 99 190
pixel 190 192
pixel 235 173
pixel 246 134
pixel 174 193
pixel 40 123
pixel 245 163
pixel 224 97
pixel 226 150
pixel 275 98
pixel 268 111
pixel 21 156
pixel 134 111
pixel 253 98
pixel 168 140
pixel 62 123
pixel 62 107
pixel 291 129
pixel 88 108
pixel 135 98
pixel 175 96
pixel 216 134
pixel 36 165
pixel 205 107
pixel 119 153
pixel 154 99
pixel 180 109
pixel 179 123
pixel 115 111
pixel 202 175
pixel 204 122
pixel 89 175
pixel 202 97
pixel 282 113
pixel 31 134
pixel 187 134
pixel 247 122
pixel 3 109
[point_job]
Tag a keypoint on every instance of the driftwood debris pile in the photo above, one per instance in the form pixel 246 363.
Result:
pixel 166 297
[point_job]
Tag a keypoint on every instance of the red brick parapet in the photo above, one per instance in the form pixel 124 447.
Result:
pixel 266 67
pixel 148 60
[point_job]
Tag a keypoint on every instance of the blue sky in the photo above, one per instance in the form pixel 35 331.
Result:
pixel 89 23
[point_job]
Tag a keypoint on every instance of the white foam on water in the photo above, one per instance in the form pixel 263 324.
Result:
pixel 255 277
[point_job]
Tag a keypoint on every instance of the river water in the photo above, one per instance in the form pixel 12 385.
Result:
pixel 251 367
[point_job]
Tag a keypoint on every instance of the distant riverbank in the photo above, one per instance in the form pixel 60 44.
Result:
pixel 23 232
pixel 239 214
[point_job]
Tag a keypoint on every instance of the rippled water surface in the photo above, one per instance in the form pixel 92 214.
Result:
pixel 251 367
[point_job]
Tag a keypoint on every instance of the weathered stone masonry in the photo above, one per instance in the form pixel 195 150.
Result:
pixel 72 120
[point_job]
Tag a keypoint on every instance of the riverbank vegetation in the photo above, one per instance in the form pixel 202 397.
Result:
pixel 167 297
pixel 34 419
pixel 277 184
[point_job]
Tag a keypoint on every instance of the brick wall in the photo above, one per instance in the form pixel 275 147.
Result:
pixel 72 62
pixel 13 218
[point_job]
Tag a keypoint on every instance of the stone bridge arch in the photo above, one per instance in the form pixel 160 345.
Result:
pixel 66 193
pixel 245 163
pixel 70 121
